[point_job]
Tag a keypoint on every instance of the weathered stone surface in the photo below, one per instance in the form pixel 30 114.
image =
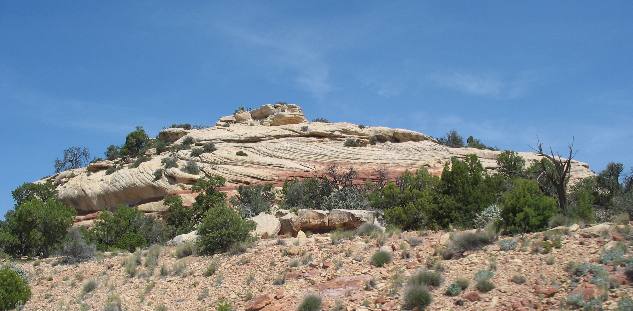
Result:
pixel 153 207
pixel 288 224
pixel 312 220
pixel 242 116
pixel 99 166
pixel 349 219
pixel 184 238
pixel 267 225
pixel 596 230
pixel 258 302
pixel 342 285
pixel 171 135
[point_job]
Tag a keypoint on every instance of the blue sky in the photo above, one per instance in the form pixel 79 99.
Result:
pixel 87 72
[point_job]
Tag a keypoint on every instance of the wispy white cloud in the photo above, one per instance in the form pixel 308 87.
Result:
pixel 292 51
pixel 486 85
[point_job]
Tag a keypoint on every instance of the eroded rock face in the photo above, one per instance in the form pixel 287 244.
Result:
pixel 276 143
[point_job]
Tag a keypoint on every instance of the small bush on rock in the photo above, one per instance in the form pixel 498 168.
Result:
pixel 380 258
pixel 14 290
pixel 310 303
pixel 209 148
pixel 196 152
pixel 466 241
pixel 241 154
pixel 347 198
pixel 191 168
pixel 170 162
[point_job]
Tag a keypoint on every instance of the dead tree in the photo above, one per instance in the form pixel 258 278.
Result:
pixel 558 173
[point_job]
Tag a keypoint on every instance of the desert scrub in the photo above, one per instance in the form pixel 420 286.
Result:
pixel 211 268
pixel 224 306
pixel 339 235
pixel 220 228
pixel 170 162
pixel 241 153
pixel 416 297
pixel 368 229
pixel 131 263
pixel 507 245
pixel 179 267
pixel 191 168
pixel 184 250
pixel 614 255
pixel 426 278
pixel 113 303
pixel 310 302
pixel 89 287
pixel 461 242
pixel 151 258
pixel 14 289
pixel 196 152
pixel 380 258
pixel 457 287
pixel 482 279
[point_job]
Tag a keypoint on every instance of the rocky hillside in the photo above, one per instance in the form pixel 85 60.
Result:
pixel 564 268
pixel 268 144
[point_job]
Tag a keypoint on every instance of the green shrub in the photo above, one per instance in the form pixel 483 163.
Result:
pixel 426 278
pixel 35 227
pixel 241 153
pixel 510 164
pixel 351 142
pixel 253 200
pixel 131 263
pixel 196 152
pixel 417 297
pixel 462 282
pixel 185 126
pixel 128 229
pixel 160 145
pixel 310 302
pixel 151 258
pixel 628 272
pixel 224 306
pixel 191 168
pixel 209 148
pixel 453 290
pixel 209 197
pixel 170 162
pixel 322 120
pixel 525 208
pixel 484 286
pixel 220 228
pixel 187 142
pixel 76 247
pixel 177 216
pixel 14 290
pixel 309 193
pixel 184 250
pixel 135 143
pixel 158 174
pixel 380 258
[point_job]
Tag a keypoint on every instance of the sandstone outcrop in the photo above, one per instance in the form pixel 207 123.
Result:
pixel 269 144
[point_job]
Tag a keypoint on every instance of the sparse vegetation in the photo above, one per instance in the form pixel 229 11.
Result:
pixel 253 200
pixel 310 302
pixel 184 250
pixel 14 289
pixel 76 247
pixel 191 168
pixel 380 258
pixel 89 287
pixel 241 153
pixel 74 157
pixel 426 278
pixel 417 297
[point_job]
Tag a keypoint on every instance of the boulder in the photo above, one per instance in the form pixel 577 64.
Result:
pixel 184 238
pixel 263 112
pixel 312 220
pixel 153 207
pixel 242 116
pixel 171 135
pixel 288 224
pixel 258 302
pixel 595 231
pixel 181 177
pixel 267 225
pixel 99 166
pixel 349 219
pixel 284 118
